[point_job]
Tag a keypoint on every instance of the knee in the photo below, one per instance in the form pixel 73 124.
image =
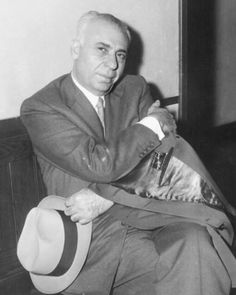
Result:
pixel 196 240
pixel 192 231
pixel 184 240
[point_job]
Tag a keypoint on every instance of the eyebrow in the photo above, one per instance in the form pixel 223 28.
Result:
pixel 109 46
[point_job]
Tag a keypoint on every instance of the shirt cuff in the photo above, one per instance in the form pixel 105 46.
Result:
pixel 153 124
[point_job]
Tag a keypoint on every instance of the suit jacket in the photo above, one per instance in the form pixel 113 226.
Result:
pixel 74 153
pixel 68 138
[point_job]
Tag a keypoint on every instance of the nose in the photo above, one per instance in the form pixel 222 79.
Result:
pixel 112 62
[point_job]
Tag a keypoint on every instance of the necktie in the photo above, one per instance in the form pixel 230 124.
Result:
pixel 100 110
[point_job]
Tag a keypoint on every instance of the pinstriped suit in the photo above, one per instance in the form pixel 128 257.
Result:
pixel 74 153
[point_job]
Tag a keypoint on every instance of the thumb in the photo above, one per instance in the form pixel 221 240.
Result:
pixel 154 106
pixel 84 221
pixel 69 201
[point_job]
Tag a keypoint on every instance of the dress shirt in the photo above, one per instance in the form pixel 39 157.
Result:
pixel 93 99
pixel 153 124
pixel 150 122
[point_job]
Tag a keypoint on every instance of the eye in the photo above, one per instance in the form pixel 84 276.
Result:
pixel 121 56
pixel 102 49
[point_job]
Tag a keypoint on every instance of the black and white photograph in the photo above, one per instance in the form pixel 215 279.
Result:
pixel 118 147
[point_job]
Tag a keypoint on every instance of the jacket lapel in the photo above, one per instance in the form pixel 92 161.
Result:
pixel 114 110
pixel 80 105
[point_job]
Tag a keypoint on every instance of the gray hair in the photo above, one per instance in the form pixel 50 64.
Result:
pixel 86 18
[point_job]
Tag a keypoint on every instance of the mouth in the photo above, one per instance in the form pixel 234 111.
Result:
pixel 107 79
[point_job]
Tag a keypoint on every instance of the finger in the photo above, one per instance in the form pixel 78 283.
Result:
pixel 75 217
pixel 157 103
pixel 154 106
pixel 168 129
pixel 69 201
pixel 67 212
pixel 84 221
pixel 165 129
pixel 70 211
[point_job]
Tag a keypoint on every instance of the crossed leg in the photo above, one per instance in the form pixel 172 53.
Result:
pixel 175 259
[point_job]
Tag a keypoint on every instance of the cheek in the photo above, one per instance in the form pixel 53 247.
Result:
pixel 88 68
pixel 120 69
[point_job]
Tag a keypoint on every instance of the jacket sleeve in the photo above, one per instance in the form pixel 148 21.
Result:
pixel 68 145
pixel 114 193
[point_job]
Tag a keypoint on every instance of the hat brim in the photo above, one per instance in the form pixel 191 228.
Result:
pixel 54 284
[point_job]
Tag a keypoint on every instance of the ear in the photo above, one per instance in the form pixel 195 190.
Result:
pixel 75 48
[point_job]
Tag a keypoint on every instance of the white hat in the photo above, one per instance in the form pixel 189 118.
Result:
pixel 52 247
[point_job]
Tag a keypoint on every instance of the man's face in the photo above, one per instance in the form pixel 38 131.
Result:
pixel 99 59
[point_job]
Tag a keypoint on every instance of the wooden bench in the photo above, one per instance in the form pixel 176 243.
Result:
pixel 21 188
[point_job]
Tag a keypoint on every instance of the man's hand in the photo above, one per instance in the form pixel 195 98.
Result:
pixel 164 117
pixel 154 107
pixel 86 205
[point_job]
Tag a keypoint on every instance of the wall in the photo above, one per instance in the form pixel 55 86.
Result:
pixel 36 37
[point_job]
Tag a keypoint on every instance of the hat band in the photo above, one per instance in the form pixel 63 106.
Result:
pixel 70 246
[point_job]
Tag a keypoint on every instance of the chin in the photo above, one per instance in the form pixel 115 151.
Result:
pixel 104 88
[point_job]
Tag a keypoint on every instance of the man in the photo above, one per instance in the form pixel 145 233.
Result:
pixel 80 155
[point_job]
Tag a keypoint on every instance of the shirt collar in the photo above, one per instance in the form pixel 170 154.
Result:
pixel 93 99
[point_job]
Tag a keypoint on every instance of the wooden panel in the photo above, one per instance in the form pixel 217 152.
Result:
pixel 21 188
pixel 11 127
pixel 17 283
pixel 6 213
pixel 25 192
pixel 7 224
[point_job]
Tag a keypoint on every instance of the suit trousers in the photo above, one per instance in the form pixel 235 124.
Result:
pixel 178 258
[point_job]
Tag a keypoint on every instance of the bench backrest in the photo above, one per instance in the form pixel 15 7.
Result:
pixel 21 188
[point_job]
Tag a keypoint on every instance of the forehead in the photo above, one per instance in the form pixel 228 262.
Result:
pixel 106 32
